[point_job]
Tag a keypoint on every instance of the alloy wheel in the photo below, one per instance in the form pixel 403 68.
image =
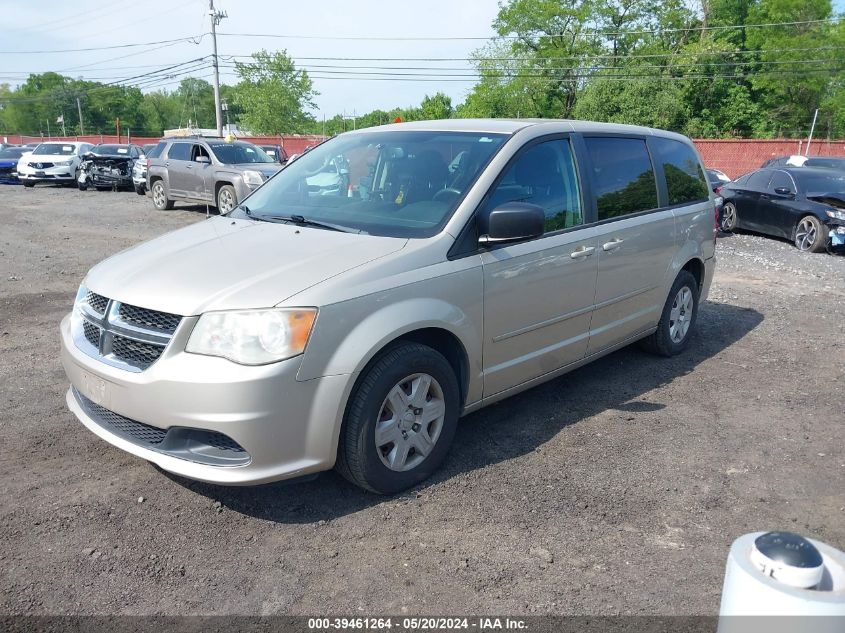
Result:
pixel 226 201
pixel 728 217
pixel 805 235
pixel 158 195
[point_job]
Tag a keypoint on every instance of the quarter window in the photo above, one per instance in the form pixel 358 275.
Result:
pixel 180 151
pixel 758 180
pixel 685 181
pixel 623 177
pixel 544 175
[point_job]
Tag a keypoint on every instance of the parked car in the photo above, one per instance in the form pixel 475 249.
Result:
pixel 211 170
pixel 354 331
pixel 796 160
pixel 139 169
pixel 9 157
pixel 330 179
pixel 108 166
pixel 52 162
pixel 716 179
pixel 802 204
pixel 276 152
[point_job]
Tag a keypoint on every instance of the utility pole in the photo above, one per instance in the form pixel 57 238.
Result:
pixel 216 16
pixel 812 129
pixel 79 109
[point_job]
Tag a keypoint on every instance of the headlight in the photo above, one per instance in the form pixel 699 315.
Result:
pixel 253 337
pixel 253 178
pixel 835 214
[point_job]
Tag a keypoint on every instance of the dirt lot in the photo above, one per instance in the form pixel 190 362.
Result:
pixel 615 489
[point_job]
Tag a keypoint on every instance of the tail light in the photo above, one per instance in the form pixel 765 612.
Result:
pixel 718 190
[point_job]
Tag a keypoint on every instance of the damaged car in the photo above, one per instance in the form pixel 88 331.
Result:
pixel 108 166
pixel 805 205
pixel 9 157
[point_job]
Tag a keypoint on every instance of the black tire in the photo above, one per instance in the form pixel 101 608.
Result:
pixel 358 458
pixel 728 218
pixel 663 342
pixel 227 199
pixel 81 186
pixel 28 184
pixel 140 190
pixel 818 242
pixel 102 188
pixel 160 199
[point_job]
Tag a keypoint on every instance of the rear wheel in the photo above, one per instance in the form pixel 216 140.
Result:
pixel 226 199
pixel 727 222
pixel 160 199
pixel 400 420
pixel 810 235
pixel 677 320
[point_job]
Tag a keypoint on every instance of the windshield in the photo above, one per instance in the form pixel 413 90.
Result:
pixel 12 152
pixel 400 184
pixel 111 150
pixel 239 153
pixel 54 149
pixel 822 183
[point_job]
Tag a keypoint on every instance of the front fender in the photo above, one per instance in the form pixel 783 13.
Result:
pixel 349 334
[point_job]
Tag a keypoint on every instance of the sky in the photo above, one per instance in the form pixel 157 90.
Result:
pixel 52 25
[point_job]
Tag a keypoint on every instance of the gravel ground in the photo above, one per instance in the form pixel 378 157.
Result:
pixel 617 488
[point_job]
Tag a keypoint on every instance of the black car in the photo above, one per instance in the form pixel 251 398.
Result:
pixel 803 204
pixel 716 179
pixel 276 152
pixel 828 162
pixel 108 166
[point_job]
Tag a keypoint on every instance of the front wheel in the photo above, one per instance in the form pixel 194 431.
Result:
pixel 400 420
pixel 226 199
pixel 677 320
pixel 140 190
pixel 160 199
pixel 28 184
pixel 727 222
pixel 810 235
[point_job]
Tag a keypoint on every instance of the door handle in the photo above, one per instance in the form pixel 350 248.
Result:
pixel 582 251
pixel 167 164
pixel 612 245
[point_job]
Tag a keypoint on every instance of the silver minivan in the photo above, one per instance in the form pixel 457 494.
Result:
pixel 458 263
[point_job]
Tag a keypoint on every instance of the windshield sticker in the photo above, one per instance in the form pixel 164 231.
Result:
pixel 67 148
pixel 122 150
pixel 485 139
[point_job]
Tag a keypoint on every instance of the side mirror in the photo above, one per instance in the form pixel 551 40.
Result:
pixel 203 159
pixel 783 191
pixel 512 222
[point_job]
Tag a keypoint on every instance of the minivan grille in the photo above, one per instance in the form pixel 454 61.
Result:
pixel 142 317
pixel 123 335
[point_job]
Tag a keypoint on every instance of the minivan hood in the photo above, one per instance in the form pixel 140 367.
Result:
pixel 226 264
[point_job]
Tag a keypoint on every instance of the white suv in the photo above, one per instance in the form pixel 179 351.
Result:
pixel 55 161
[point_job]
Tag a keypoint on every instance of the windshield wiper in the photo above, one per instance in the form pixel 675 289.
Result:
pixel 303 221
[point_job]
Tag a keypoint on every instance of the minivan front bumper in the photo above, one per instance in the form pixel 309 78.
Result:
pixel 286 427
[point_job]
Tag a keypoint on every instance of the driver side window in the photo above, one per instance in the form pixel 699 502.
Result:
pixel 544 175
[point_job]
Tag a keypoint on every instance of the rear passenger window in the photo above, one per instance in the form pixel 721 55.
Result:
pixel 544 175
pixel 759 179
pixel 180 151
pixel 623 178
pixel 685 181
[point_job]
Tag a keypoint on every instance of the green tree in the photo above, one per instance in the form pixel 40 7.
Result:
pixel 272 95
pixel 438 106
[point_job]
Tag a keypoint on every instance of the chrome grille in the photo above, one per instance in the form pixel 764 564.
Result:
pixel 163 321
pixel 123 335
pixel 97 302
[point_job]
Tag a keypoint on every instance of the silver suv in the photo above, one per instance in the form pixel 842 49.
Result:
pixel 463 262
pixel 206 170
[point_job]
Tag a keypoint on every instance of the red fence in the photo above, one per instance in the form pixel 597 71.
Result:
pixel 736 156
pixel 733 156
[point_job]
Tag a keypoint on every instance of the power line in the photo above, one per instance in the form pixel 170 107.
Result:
pixel 194 39
pixel 514 37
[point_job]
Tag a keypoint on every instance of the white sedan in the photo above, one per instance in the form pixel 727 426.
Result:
pixel 55 161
